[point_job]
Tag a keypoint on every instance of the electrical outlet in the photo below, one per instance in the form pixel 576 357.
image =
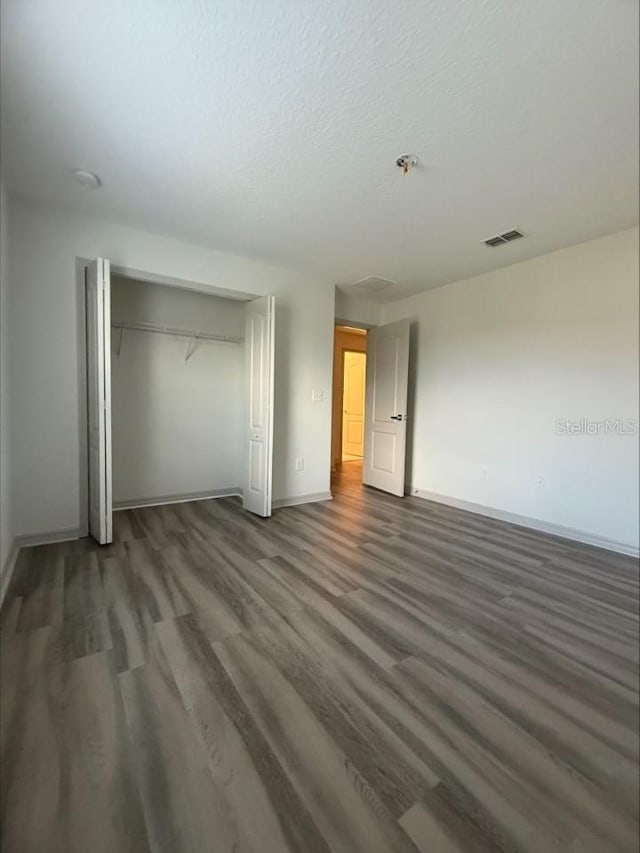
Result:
pixel 317 395
pixel 299 463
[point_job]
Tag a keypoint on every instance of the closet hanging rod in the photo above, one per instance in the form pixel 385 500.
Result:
pixel 179 333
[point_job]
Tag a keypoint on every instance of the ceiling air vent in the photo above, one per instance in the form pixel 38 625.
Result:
pixel 507 237
pixel 372 284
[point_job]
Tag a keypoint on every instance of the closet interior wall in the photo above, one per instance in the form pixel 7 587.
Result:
pixel 177 401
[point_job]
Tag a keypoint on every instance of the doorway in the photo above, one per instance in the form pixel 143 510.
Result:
pixel 349 396
pixel 384 361
pixel 354 371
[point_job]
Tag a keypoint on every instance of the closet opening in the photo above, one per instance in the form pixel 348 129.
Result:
pixel 179 382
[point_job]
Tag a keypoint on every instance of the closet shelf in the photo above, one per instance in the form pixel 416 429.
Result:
pixel 194 336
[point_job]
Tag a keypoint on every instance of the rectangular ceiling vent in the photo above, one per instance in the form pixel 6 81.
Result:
pixel 372 284
pixel 507 237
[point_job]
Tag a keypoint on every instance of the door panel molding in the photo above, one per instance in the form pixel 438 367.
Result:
pixel 259 360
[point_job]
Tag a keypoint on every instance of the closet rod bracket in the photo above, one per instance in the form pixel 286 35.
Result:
pixel 191 346
pixel 119 346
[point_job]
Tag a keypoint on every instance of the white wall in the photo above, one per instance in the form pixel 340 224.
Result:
pixel 176 425
pixel 44 354
pixel 358 311
pixel 6 525
pixel 498 358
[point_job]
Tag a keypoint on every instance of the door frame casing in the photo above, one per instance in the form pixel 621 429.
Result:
pixel 97 278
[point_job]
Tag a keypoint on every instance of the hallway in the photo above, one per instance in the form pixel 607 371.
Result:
pixel 367 674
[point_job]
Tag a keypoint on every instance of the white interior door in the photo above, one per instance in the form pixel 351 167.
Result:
pixel 386 407
pixel 353 404
pixel 259 346
pixel 98 299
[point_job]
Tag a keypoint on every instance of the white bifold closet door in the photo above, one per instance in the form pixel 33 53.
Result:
pixel 98 299
pixel 259 349
pixel 386 407
pixel 258 444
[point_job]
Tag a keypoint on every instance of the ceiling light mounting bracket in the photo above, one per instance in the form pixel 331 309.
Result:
pixel 406 162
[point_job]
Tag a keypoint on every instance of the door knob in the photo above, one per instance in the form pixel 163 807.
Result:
pixel 396 417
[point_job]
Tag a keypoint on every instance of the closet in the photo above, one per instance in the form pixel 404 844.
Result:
pixel 180 395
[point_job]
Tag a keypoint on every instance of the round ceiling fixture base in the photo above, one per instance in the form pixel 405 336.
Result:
pixel 86 178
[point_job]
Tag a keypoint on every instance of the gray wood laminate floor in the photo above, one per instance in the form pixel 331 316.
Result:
pixel 368 674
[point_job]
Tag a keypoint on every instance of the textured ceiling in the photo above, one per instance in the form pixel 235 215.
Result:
pixel 270 128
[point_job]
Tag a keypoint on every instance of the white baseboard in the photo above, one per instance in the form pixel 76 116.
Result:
pixel 28 540
pixel 302 499
pixel 139 503
pixel 232 491
pixel 526 521
pixel 65 534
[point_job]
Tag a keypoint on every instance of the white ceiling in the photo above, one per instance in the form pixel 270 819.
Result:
pixel 270 128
